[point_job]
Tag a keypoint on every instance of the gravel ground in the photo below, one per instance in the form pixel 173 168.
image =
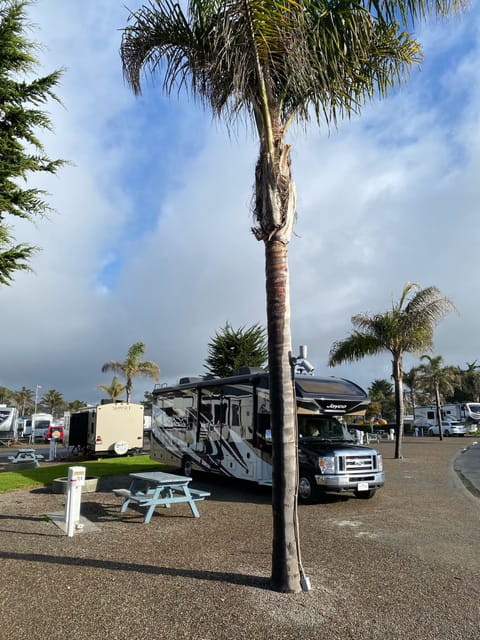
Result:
pixel 404 565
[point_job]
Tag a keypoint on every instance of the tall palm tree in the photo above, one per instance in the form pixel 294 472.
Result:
pixel 406 328
pixel 440 379
pixel 132 367
pixel 273 63
pixel 114 389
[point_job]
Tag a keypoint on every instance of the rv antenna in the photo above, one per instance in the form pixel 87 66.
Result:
pixel 301 361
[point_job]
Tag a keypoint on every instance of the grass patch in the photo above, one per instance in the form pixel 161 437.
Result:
pixel 45 475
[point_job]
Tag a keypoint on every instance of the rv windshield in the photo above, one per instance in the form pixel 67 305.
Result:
pixel 316 427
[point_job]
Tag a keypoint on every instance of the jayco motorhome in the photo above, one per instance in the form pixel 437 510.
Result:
pixel 223 426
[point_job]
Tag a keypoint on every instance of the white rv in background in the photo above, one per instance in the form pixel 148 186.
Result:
pixel 426 418
pixel 113 428
pixel 38 423
pixel 8 422
pixel 467 412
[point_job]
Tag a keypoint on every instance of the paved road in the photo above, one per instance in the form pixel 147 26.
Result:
pixel 402 566
pixel 467 465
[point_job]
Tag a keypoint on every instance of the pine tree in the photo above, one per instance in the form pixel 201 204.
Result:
pixel 21 151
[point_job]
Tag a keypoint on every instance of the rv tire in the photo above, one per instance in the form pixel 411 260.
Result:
pixel 187 467
pixel 307 488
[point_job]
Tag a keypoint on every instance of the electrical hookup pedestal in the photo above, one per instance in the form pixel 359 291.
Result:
pixel 76 480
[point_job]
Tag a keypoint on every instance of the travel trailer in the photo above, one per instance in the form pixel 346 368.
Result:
pixel 8 422
pixel 114 428
pixel 426 419
pixel 36 425
pixel 467 412
pixel 223 426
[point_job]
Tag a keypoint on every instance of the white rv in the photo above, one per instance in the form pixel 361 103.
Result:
pixel 36 425
pixel 8 422
pixel 467 412
pixel 113 428
pixel 223 426
pixel 426 419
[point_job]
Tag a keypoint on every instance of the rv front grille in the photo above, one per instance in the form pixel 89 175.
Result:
pixel 357 463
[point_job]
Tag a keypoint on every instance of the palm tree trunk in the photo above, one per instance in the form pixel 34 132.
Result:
pixel 399 408
pixel 439 412
pixel 285 546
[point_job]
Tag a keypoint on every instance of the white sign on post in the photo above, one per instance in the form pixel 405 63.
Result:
pixel 76 480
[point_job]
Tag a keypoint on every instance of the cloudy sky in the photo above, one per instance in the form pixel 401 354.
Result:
pixel 151 237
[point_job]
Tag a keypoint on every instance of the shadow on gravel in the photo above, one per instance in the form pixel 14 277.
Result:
pixel 257 582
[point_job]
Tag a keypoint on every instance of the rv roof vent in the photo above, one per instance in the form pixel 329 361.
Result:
pixel 188 380
pixel 244 371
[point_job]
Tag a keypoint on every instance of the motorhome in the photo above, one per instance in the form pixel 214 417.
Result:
pixel 426 419
pixel 8 422
pixel 113 428
pixel 223 426
pixel 36 425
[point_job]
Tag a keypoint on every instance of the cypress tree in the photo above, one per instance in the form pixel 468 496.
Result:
pixel 21 151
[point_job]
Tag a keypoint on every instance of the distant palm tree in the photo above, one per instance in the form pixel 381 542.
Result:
pixel 114 389
pixel 24 399
pixel 132 367
pixel 440 379
pixel 406 328
pixel 411 379
pixel 53 400
pixel 75 405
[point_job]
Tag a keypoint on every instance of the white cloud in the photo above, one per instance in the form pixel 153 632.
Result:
pixel 152 238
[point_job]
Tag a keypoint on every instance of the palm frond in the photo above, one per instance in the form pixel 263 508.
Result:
pixel 354 347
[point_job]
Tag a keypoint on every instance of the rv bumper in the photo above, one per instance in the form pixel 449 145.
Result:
pixel 350 482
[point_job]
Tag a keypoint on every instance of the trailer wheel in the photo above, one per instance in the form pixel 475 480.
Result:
pixel 187 467
pixel 307 488
pixel 365 495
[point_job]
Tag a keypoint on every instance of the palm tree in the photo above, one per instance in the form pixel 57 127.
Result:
pixel 440 379
pixel 132 366
pixel 24 398
pixel 114 389
pixel 75 405
pixel 273 63
pixel 53 401
pixel 406 328
pixel 411 380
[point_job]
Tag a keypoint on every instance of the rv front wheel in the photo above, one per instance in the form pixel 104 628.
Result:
pixel 307 489
pixel 187 467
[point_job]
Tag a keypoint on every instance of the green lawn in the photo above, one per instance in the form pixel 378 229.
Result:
pixel 45 475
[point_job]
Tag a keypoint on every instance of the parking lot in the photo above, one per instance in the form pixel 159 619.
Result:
pixel 404 565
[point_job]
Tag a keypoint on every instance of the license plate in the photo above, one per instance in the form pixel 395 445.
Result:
pixel 362 486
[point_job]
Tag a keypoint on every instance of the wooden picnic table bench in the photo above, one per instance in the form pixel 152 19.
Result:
pixel 157 488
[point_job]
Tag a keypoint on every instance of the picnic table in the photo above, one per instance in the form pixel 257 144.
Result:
pixel 26 455
pixel 154 489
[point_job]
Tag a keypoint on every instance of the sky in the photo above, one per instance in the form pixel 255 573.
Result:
pixel 151 236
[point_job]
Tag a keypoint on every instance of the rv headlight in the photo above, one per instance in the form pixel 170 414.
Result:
pixel 326 464
pixel 380 462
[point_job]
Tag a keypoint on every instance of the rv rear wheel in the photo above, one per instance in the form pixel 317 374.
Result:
pixel 187 467
pixel 307 488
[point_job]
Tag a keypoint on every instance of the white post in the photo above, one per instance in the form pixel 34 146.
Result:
pixel 76 480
